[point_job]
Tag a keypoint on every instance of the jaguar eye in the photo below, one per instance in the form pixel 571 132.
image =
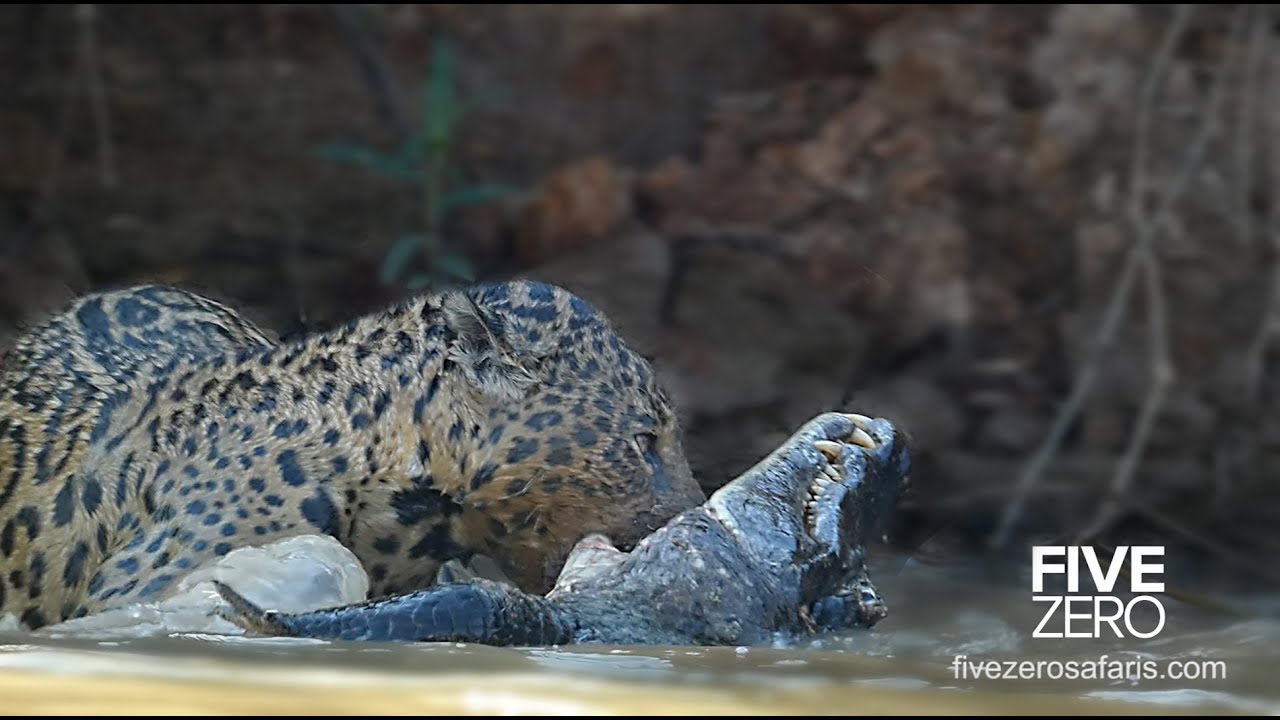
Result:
pixel 645 443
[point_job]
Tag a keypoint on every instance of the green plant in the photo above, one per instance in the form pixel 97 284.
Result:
pixel 424 160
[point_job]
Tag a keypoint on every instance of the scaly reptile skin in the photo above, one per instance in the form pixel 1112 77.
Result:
pixel 778 550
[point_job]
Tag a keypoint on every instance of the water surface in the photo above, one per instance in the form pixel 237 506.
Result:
pixel 906 664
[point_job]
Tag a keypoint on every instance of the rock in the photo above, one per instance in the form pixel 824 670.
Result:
pixel 1088 63
pixel 665 194
pixel 823 39
pixel 298 574
pixel 923 266
pixel 577 205
pixel 827 158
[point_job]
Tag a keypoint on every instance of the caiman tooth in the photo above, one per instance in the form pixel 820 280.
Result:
pixel 862 421
pixel 831 472
pixel 819 486
pixel 829 448
pixel 860 437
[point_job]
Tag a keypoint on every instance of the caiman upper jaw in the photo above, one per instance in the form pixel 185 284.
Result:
pixel 862 477
pixel 771 498
pixel 830 474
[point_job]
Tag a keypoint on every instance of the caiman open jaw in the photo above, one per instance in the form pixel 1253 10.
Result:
pixel 834 474
pixel 861 477
pixel 859 482
pixel 823 489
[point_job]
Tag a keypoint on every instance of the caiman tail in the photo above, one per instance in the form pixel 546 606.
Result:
pixel 478 611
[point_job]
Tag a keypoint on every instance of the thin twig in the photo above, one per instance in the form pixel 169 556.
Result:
pixel 1146 229
pixel 87 15
pixel 1116 306
pixel 1162 376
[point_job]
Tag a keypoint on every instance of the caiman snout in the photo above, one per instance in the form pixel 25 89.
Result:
pixel 858 486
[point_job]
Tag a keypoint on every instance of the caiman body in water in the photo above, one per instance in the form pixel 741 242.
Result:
pixel 778 550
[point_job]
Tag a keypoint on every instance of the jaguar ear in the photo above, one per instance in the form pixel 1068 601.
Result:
pixel 482 351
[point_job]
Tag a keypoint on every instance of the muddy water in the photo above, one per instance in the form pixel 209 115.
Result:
pixel 907 664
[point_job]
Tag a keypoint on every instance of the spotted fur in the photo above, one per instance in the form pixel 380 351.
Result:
pixel 146 431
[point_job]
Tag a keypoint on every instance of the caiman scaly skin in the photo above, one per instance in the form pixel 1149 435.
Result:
pixel 781 549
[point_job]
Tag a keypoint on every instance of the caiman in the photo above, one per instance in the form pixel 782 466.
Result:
pixel 778 552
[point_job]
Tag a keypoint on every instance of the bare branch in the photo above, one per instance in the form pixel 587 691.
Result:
pixel 1118 303
pixel 1145 230
pixel 1162 376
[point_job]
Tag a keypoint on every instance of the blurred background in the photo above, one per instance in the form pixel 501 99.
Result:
pixel 1040 238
